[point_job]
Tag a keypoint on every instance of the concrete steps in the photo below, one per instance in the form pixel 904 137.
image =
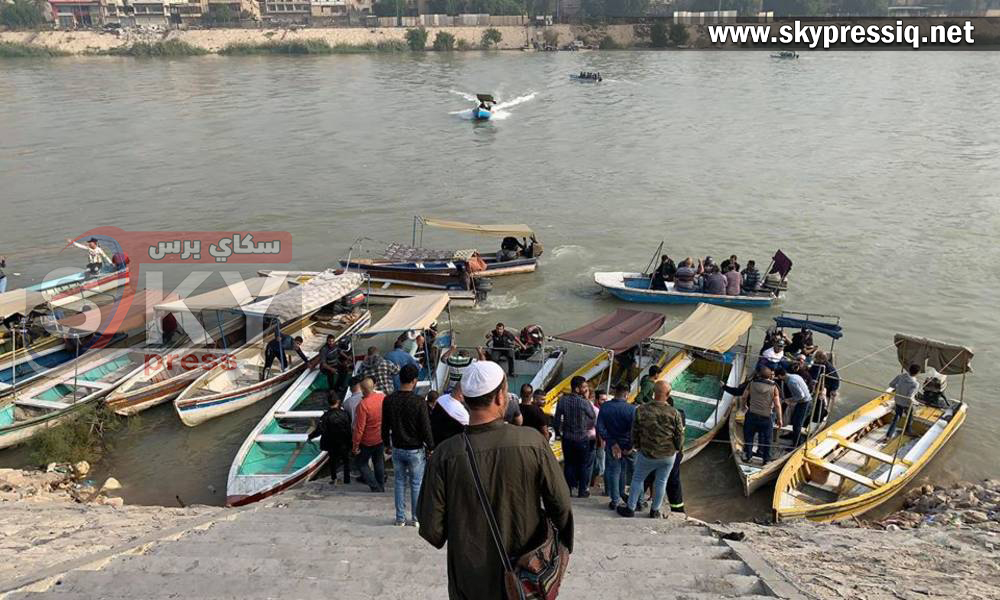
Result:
pixel 320 540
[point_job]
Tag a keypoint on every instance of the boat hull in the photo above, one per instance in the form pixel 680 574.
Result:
pixel 494 268
pixel 481 115
pixel 72 288
pixel 617 284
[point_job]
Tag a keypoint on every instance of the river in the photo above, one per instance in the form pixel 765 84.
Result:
pixel 875 172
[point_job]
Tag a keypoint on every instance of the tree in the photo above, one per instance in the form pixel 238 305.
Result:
pixel 416 38
pixel 659 34
pixel 550 36
pixel 21 14
pixel 221 14
pixel 444 41
pixel 491 37
pixel 679 34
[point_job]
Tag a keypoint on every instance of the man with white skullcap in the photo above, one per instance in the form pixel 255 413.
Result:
pixel 521 479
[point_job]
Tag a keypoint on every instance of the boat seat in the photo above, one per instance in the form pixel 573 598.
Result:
pixel 299 438
pixel 866 450
pixel 298 414
pixel 97 385
pixel 844 473
pixel 820 450
pixel 863 421
pixel 694 398
pixel 44 404
pixel 596 369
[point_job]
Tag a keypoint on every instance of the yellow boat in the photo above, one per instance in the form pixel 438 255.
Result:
pixel 851 468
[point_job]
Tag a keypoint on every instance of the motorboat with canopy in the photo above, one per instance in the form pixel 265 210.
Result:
pixel 853 466
pixel 708 356
pixel 484 110
pixel 278 453
pixel 309 310
pixel 60 394
pixel 755 473
pixel 63 290
pixel 213 324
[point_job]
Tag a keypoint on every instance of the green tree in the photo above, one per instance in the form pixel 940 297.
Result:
pixel 416 38
pixel 659 34
pixel 679 34
pixel 221 14
pixel 491 37
pixel 21 14
pixel 444 41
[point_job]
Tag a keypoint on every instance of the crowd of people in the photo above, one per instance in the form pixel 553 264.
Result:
pixel 707 277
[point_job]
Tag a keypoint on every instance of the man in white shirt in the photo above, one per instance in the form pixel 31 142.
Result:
pixel 774 356
pixel 96 256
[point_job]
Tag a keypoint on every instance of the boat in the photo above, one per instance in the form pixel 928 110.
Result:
pixel 635 287
pixel 612 335
pixel 785 54
pixel 587 77
pixel 538 366
pixel 237 383
pixel 851 468
pixel 483 111
pixel 400 257
pixel 278 454
pixel 387 292
pixel 64 290
pixel 26 346
pixel 61 394
pixel 755 473
pixel 164 378
pixel 708 356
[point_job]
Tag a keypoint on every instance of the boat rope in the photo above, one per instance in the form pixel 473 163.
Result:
pixel 866 357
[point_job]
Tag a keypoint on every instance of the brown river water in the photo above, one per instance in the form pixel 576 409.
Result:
pixel 877 173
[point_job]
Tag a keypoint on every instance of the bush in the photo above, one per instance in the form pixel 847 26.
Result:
pixel 463 45
pixel 659 35
pixel 608 43
pixel 84 438
pixel 416 38
pixel 313 46
pixel 444 41
pixel 18 50
pixel 551 37
pixel 679 34
pixel 491 37
pixel 220 15
pixel 21 14
pixel 168 48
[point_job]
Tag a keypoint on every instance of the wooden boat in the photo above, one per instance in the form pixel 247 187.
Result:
pixel 387 292
pixel 708 357
pixel 277 454
pixel 434 280
pixel 593 78
pixel 67 289
pixel 851 468
pixel 635 287
pixel 162 379
pixel 237 383
pixel 494 266
pixel 755 473
pixel 611 335
pixel 60 394
pixel 539 369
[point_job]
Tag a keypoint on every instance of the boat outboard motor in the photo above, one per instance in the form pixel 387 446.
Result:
pixel 532 337
pixel 932 392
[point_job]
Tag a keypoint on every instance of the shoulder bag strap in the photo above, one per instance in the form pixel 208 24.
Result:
pixel 484 502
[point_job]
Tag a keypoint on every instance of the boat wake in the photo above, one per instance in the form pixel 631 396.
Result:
pixel 505 301
pixel 500 111
pixel 568 250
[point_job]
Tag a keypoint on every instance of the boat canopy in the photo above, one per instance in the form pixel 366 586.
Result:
pixel 19 302
pixel 498 230
pixel 231 296
pixel 834 330
pixel 618 331
pixel 409 314
pixel 129 313
pixel 710 327
pixel 948 359
pixel 301 300
pixel 485 98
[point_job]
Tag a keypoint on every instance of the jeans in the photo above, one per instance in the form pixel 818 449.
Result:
pixel 578 457
pixel 643 467
pixel 408 466
pixel 616 472
pixel 376 480
pixel 760 427
pixel 3 284
pixel 599 461
pixel 799 414
pixel 900 413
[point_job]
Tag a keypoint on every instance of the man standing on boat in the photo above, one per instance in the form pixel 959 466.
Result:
pixel 763 408
pixel 96 256
pixel 406 434
pixel 904 389
pixel 573 420
pixel 799 401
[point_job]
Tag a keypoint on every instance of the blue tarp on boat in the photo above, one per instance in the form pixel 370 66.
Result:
pixel 833 330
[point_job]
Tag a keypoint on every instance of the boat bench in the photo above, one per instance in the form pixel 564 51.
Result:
pixel 844 473
pixel 299 438
pixel 298 414
pixel 97 385
pixel 44 404
pixel 694 398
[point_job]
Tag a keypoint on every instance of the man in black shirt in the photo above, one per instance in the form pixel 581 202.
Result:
pixel 532 414
pixel 502 345
pixel 334 429
pixel 406 429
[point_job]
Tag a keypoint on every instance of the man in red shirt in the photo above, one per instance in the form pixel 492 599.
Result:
pixel 367 438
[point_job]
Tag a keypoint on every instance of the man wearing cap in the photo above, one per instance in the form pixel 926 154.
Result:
pixel 574 418
pixel 614 426
pixel 520 478
pixel 96 256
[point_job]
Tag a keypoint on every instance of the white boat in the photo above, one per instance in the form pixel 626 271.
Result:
pixel 238 383
pixel 59 395
pixel 211 336
pixel 538 368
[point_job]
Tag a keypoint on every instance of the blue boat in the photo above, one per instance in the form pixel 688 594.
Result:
pixel 635 287
pixel 483 112
pixel 481 115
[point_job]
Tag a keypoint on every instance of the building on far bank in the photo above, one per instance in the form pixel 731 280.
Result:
pixel 319 12
pixel 81 13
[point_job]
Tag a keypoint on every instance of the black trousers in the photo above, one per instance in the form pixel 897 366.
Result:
pixel 499 354
pixel 340 458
